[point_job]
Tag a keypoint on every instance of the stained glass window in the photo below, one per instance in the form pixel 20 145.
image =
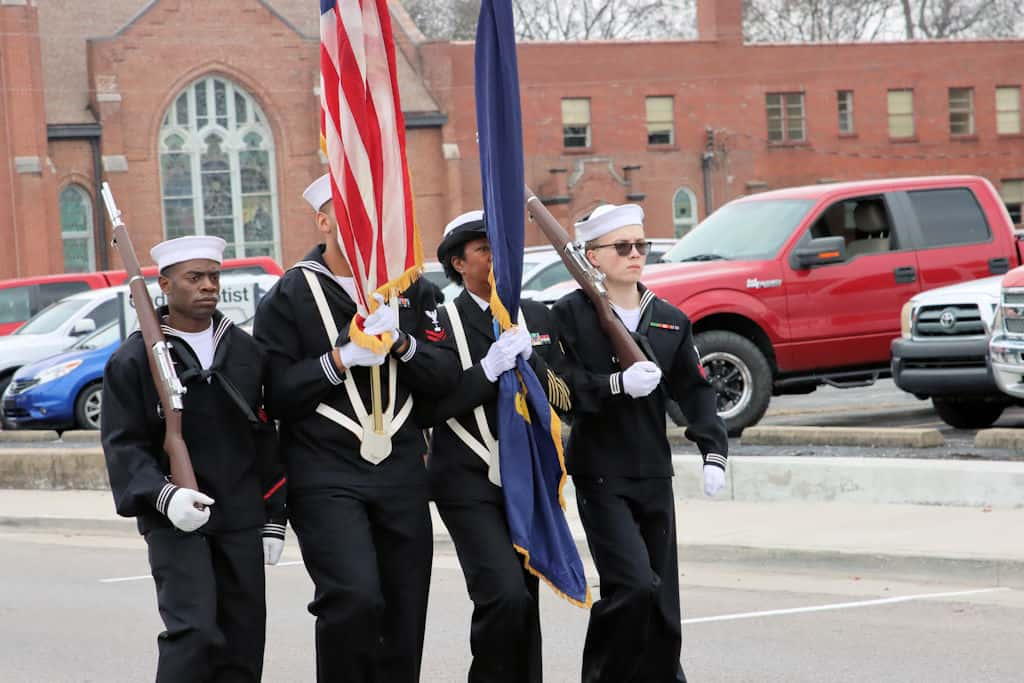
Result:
pixel 217 169
pixel 76 230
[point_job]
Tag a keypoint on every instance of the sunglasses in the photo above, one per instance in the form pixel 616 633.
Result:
pixel 625 248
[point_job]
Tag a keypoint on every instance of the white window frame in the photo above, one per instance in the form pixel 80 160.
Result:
pixel 569 120
pixel 1004 93
pixel 660 124
pixel 844 107
pixel 900 115
pixel 781 109
pixel 961 110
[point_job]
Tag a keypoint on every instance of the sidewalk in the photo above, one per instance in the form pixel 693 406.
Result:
pixel 975 545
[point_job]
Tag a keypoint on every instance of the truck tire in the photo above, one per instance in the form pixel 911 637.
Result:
pixel 968 413
pixel 740 374
pixel 88 406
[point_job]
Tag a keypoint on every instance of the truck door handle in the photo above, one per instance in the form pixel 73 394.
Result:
pixel 998 265
pixel 905 274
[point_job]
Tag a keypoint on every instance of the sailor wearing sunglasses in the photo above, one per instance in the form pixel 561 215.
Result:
pixel 620 458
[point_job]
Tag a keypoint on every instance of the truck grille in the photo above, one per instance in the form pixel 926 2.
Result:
pixel 1014 325
pixel 949 321
pixel 20 385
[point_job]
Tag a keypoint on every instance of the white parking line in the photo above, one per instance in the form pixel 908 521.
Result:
pixel 143 577
pixel 840 605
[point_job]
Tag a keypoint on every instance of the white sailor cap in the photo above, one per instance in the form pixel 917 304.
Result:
pixel 461 229
pixel 606 218
pixel 187 248
pixel 319 192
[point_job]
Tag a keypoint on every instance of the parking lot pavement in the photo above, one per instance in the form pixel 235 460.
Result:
pixel 881 405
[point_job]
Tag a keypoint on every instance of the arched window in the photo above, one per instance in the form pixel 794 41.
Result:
pixel 684 211
pixel 76 230
pixel 217 169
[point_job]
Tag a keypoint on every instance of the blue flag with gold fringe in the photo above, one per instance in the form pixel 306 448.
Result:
pixel 529 431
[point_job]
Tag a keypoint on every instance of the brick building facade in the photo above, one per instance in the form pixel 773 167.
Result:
pixel 202 115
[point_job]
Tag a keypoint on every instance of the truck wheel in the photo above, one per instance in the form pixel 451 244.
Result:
pixel 967 413
pixel 88 405
pixel 740 374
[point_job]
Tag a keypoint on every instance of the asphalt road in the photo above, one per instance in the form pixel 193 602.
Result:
pixel 63 620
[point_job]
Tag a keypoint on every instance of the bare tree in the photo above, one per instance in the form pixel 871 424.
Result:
pixel 937 19
pixel 816 21
pixel 602 19
pixel 557 20
pixel 445 19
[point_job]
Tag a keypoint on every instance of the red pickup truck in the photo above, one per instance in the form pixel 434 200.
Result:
pixel 800 287
pixel 22 298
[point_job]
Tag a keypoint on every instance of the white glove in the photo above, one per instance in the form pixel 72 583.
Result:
pixel 502 355
pixel 272 548
pixel 640 379
pixel 182 511
pixel 382 320
pixel 714 479
pixel 522 341
pixel 353 355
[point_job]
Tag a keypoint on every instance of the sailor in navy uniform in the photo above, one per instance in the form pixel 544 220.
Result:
pixel 619 455
pixel 357 499
pixel 207 564
pixel 464 476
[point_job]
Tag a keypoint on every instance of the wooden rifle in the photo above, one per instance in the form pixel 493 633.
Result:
pixel 591 281
pixel 168 386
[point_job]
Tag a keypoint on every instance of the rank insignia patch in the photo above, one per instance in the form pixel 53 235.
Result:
pixel 436 333
pixel 539 339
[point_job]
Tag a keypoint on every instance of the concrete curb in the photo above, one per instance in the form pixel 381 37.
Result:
pixel 53 468
pixel 958 483
pixel 912 481
pixel 1012 439
pixel 842 436
pixel 28 436
pixel 77 436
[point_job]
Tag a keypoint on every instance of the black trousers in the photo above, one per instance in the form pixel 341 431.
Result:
pixel 505 632
pixel 635 634
pixel 369 552
pixel 212 599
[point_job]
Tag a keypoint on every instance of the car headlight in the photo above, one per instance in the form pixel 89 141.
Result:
pixel 997 322
pixel 907 319
pixel 57 371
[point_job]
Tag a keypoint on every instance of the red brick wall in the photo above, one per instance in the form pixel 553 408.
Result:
pixel 27 199
pixel 723 85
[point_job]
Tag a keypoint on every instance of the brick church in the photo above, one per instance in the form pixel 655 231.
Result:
pixel 203 116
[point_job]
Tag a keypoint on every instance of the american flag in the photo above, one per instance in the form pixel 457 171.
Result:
pixel 363 136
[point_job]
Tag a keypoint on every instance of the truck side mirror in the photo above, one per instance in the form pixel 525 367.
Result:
pixel 83 326
pixel 818 252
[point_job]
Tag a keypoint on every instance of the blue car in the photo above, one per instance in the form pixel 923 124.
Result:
pixel 63 391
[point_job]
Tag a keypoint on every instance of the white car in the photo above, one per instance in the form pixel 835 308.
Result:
pixel 551 281
pixel 58 326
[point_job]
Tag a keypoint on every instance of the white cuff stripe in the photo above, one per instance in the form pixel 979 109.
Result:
pixel 411 350
pixel 715 459
pixel 615 380
pixel 165 497
pixel 327 363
